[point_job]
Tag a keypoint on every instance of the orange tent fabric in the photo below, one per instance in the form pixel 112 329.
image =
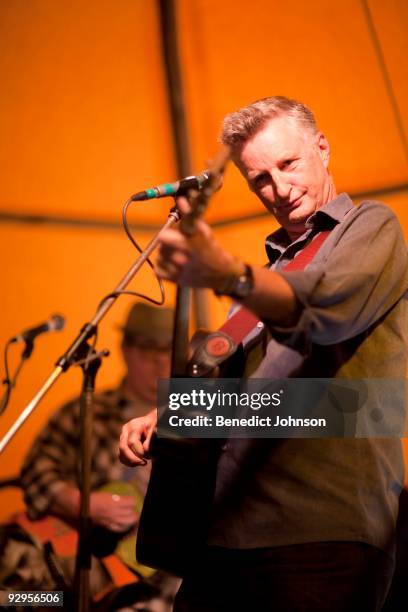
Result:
pixel 85 122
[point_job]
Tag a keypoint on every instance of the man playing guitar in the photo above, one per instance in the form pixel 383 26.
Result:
pixel 299 524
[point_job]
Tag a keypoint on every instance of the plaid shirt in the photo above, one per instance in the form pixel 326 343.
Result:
pixel 53 460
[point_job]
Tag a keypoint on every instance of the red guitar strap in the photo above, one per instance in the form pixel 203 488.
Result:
pixel 222 343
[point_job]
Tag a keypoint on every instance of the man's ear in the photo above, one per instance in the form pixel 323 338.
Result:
pixel 324 148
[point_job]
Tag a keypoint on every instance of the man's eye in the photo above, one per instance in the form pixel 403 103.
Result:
pixel 261 180
pixel 288 163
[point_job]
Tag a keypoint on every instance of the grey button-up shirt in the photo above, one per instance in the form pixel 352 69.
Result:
pixel 353 324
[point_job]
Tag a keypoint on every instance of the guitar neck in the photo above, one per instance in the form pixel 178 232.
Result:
pixel 179 357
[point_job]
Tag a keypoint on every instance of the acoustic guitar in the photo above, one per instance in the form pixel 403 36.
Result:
pixel 115 550
pixel 176 511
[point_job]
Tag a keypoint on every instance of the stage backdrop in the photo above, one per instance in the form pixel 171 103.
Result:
pixel 84 122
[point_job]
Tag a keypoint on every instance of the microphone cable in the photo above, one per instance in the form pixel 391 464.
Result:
pixel 128 232
pixel 7 381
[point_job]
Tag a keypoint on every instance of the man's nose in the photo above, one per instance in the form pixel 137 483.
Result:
pixel 280 185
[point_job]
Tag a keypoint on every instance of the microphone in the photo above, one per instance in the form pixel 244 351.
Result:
pixel 55 323
pixel 173 189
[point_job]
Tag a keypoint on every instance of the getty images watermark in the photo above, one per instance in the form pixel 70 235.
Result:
pixel 287 408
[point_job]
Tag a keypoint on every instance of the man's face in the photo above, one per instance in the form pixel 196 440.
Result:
pixel 287 167
pixel 144 367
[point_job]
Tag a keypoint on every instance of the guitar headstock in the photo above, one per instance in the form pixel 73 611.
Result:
pixel 199 199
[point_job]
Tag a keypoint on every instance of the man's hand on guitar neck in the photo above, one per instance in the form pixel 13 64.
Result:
pixel 197 260
pixel 135 439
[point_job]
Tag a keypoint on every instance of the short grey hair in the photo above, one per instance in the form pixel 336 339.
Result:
pixel 238 127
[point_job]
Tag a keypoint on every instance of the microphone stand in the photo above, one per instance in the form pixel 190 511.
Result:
pixel 80 353
pixel 87 331
pixel 90 365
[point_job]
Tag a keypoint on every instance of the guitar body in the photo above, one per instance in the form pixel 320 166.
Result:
pixel 176 512
pixel 177 509
pixel 104 543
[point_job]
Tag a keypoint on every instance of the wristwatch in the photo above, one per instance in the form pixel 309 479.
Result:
pixel 238 286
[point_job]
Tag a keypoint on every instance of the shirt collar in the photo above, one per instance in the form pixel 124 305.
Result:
pixel 327 216
pixel 335 209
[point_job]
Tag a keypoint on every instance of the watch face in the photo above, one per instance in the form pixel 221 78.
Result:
pixel 243 285
pixel 239 286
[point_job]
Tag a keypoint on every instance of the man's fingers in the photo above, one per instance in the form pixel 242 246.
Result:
pixel 124 517
pixel 183 205
pixel 135 445
pixel 131 450
pixel 203 228
pixel 173 239
pixel 128 458
pixel 119 527
pixel 125 513
pixel 124 502
pixel 172 257
pixel 167 269
pixel 147 440
pixel 128 461
pixel 179 258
